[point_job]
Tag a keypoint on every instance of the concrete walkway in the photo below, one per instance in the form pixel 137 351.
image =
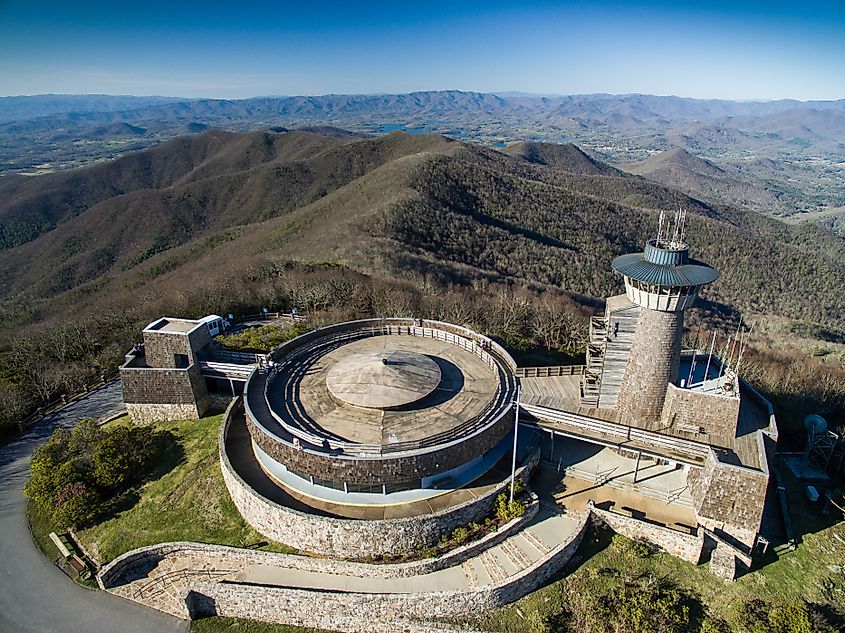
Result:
pixel 164 586
pixel 35 597
pixel 491 566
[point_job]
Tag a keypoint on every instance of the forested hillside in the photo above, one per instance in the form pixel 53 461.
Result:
pixel 341 226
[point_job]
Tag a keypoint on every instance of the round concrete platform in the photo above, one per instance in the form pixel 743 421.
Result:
pixel 383 379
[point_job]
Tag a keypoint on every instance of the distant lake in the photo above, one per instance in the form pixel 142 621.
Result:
pixel 387 128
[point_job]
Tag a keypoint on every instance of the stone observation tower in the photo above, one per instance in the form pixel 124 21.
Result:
pixel 663 281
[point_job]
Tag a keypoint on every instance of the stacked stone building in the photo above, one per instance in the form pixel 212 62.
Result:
pixel 162 379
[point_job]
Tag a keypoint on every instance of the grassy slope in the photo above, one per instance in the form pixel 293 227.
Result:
pixel 237 625
pixel 809 573
pixel 777 583
pixel 188 503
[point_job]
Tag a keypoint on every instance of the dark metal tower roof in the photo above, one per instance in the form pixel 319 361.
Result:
pixel 665 266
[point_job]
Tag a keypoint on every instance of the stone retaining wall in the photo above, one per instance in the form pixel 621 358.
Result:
pixel 151 413
pixel 205 556
pixel 685 546
pixel 354 612
pixel 348 538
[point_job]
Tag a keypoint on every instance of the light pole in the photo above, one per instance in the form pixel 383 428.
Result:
pixel 515 435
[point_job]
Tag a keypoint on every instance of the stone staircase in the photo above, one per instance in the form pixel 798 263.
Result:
pixel 164 587
pixel 514 554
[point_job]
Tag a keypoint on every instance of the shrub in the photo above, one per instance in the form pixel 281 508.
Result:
pixel 76 505
pixel 507 510
pixel 460 535
pixel 75 472
pixel 261 339
pixel 758 616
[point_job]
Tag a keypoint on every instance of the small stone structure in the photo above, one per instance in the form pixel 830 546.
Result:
pixel 162 379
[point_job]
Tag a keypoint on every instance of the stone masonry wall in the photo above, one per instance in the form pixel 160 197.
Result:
pixel 160 347
pixel 165 387
pixel 356 612
pixel 652 365
pixel 391 469
pixel 346 538
pixel 718 415
pixel 685 546
pixel 151 413
pixel 729 498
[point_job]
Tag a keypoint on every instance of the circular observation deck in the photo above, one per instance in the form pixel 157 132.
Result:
pixel 358 411
pixel 663 277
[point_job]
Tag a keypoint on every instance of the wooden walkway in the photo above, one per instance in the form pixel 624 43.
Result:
pixel 622 324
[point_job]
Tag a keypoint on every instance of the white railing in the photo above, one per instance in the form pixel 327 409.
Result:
pixel 620 433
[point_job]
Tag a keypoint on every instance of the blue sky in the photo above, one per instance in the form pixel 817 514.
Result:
pixel 716 49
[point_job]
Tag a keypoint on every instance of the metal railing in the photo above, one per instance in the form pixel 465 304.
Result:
pixel 291 368
pixel 620 433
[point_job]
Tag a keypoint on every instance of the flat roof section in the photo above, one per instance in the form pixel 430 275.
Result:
pixel 176 326
pixel 465 388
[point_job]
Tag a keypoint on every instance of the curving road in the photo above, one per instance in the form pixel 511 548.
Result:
pixel 35 597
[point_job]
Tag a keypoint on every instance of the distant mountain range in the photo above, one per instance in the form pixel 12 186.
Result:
pixel 786 155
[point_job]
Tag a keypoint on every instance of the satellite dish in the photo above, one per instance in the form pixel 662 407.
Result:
pixel 815 423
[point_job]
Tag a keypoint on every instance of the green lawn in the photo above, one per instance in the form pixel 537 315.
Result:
pixel 812 573
pixel 188 502
pixel 237 625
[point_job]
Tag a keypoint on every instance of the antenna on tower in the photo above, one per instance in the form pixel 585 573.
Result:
pixel 728 352
pixel 709 358
pixel 742 349
pixel 676 227
pixel 660 226
pixel 692 363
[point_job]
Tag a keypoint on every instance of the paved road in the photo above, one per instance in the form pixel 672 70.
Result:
pixel 35 597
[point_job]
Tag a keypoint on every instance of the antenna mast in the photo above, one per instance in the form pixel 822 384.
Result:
pixel 660 226
pixel 709 358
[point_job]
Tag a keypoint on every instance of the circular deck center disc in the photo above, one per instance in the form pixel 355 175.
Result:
pixel 384 379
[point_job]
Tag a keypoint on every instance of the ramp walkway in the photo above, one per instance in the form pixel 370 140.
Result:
pixel 164 586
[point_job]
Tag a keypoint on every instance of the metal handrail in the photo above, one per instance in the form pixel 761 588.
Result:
pixel 498 402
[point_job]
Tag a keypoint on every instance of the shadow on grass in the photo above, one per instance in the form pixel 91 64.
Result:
pixel 168 455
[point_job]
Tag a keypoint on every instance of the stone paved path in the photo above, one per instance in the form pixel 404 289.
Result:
pixel 164 585
pixel 35 597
